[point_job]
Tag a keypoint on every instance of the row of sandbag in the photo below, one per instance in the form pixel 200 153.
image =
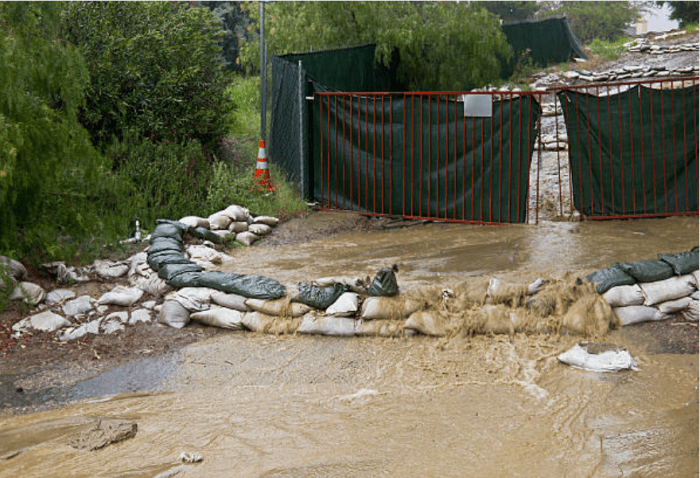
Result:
pixel 651 290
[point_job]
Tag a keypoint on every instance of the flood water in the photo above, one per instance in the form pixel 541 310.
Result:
pixel 300 406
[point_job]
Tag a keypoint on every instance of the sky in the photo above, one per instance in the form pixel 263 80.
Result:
pixel 658 20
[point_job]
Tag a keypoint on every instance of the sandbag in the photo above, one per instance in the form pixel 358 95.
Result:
pixel 609 277
pixel 169 228
pixel 388 308
pixel 105 269
pixel 598 357
pixel 682 262
pixel 166 257
pixel 173 314
pixel 32 294
pixel 252 286
pixel 651 270
pixel 220 317
pixel 260 229
pixel 428 323
pixel 384 283
pixel 206 234
pixel 312 324
pixel 246 238
pixel 237 213
pixel 382 328
pixel 691 312
pixel 194 299
pixel 194 221
pixel 168 271
pixel 494 319
pixel 237 227
pixel 346 305
pixel 187 279
pixel 268 324
pixel 46 321
pixel 206 254
pixel 122 296
pixel 668 289
pixel 162 244
pixel 319 297
pixel 589 315
pixel 279 307
pixel 218 221
pixel 624 295
pixel 356 285
pixel 673 306
pixel 14 268
pixel 634 314
pixel 267 220
pixel 231 301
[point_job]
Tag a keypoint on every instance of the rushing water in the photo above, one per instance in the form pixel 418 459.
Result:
pixel 265 406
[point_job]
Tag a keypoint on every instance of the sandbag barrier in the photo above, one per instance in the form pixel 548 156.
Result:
pixel 651 290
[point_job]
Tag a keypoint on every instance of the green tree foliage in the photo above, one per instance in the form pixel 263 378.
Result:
pixel 685 12
pixel 48 168
pixel 512 11
pixel 156 70
pixel 442 45
pixel 234 23
pixel 596 20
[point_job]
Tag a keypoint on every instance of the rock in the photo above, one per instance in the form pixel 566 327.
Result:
pixel 102 433
pixel 81 305
pixel 122 296
pixel 30 293
pixel 246 238
pixel 46 321
pixel 59 295
pixel 109 269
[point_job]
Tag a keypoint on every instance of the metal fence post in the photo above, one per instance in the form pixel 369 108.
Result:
pixel 301 98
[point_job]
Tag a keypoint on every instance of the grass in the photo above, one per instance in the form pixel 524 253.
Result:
pixel 608 50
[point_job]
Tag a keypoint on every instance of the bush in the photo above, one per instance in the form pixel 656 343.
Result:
pixel 608 50
pixel 155 70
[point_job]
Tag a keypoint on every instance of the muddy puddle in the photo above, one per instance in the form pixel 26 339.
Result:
pixel 304 406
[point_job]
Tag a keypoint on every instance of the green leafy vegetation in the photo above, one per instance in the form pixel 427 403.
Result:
pixel 608 50
pixel 596 20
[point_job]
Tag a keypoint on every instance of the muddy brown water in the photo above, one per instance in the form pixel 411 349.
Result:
pixel 266 406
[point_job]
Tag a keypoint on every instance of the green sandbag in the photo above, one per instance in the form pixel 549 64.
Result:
pixel 683 262
pixel 169 231
pixel 162 244
pixel 251 286
pixel 206 234
pixel 170 270
pixel 384 283
pixel 155 261
pixel 320 297
pixel 186 279
pixel 610 277
pixel 182 227
pixel 651 270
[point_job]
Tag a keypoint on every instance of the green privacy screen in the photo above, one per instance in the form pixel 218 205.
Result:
pixel 418 155
pixel 633 153
pixel 548 41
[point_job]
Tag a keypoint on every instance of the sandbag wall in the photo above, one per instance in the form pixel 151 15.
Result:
pixel 653 289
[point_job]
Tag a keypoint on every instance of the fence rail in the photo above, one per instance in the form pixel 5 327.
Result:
pixel 476 157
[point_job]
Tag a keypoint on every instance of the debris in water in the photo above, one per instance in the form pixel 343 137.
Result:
pixel 187 457
pixel 599 357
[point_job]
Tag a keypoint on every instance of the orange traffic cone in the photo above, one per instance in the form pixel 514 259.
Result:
pixel 262 174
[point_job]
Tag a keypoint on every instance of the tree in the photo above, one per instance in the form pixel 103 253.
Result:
pixel 442 45
pixel 47 163
pixel 234 23
pixel 685 12
pixel 155 70
pixel 596 20
pixel 512 11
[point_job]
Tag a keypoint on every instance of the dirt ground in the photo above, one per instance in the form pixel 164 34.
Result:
pixel 70 362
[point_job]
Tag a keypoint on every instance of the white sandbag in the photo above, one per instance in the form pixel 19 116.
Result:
pixel 589 315
pixel 30 293
pixel 624 295
pixel 195 221
pixel 72 333
pixel 428 323
pixel 206 253
pixel 57 296
pixel 15 269
pixel 260 229
pixel 695 295
pixel 224 234
pixel 238 226
pixel 312 324
pixel 673 306
pixel 668 289
pixel 194 299
pixel 696 278
pixel 388 308
pixel 495 319
pixel 152 285
pixel 106 269
pixel 139 315
pixel 691 312
pixel 231 301
pixel 246 238
pixel 172 313
pixel 114 323
pixel 267 220
pixel 382 328
pixel 237 213
pixel 598 357
pixel 280 307
pixel 138 266
pixel 356 285
pixel 218 221
pixel 221 317
pixel 78 306
pixel 345 306
pixel 634 314
pixel 46 321
pixel 123 296
pixel 263 323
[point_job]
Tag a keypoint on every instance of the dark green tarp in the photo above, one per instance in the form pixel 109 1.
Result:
pixel 633 153
pixel 452 167
pixel 546 42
